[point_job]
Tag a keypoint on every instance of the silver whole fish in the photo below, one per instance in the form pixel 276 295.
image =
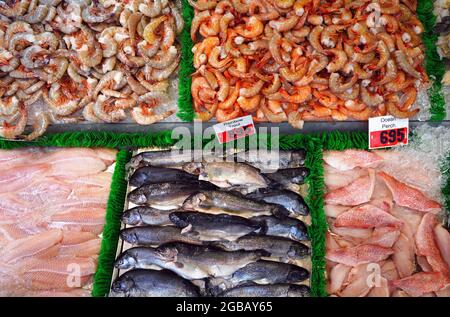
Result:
pixel 156 235
pixel 218 202
pixel 273 290
pixel 189 261
pixel 209 227
pixel 270 161
pixel 152 283
pixel 260 272
pixel 287 227
pixel 166 194
pixel 143 215
pixel 276 246
pixel 290 200
pixel 229 174
pixel 152 175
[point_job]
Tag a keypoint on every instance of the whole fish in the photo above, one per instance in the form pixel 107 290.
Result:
pixel 287 227
pixel 155 235
pixel 152 175
pixel 229 174
pixel 261 272
pixel 276 246
pixel 288 176
pixel 286 198
pixel 187 260
pixel 166 158
pixel 271 160
pixel 166 194
pixel 143 215
pixel 274 290
pixel 217 202
pixel 152 283
pixel 209 227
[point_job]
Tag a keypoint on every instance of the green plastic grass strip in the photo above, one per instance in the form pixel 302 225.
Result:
pixel 434 66
pixel 116 201
pixel 185 109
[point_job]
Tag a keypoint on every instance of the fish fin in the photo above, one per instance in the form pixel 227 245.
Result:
pixel 187 229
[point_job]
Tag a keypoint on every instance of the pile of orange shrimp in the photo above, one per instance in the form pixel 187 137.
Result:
pixel 299 60
pixel 108 60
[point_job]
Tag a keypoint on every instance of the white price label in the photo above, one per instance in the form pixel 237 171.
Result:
pixel 234 129
pixel 388 131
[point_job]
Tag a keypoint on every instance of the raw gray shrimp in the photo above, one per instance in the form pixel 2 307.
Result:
pixel 163 58
pixel 159 86
pixel 59 102
pixel 402 61
pixel 161 74
pixel 52 72
pixel 107 65
pixel 34 87
pixel 69 19
pixel 19 41
pixel 106 109
pixel 137 87
pixel 113 80
pixel 151 8
pixel 37 15
pixel 34 56
pixel 32 98
pixel 40 124
pixel 179 21
pixel 47 40
pixel 14 8
pixel 8 62
pixel 11 131
pixel 145 116
pixel 9 106
pixel 127 54
pixel 97 13
pixel 89 115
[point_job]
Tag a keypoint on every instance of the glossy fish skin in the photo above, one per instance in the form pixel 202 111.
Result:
pixel 290 200
pixel 216 202
pixel 264 160
pixel 288 176
pixel 276 246
pixel 143 215
pixel 172 194
pixel 288 227
pixel 160 158
pixel 155 235
pixel 228 174
pixel 274 290
pixel 189 261
pixel 152 283
pixel 209 227
pixel 152 175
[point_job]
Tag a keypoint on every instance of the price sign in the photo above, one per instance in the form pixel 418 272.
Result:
pixel 387 131
pixel 234 129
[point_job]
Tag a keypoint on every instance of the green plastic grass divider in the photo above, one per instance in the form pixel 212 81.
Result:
pixel 185 109
pixel 116 201
pixel 433 64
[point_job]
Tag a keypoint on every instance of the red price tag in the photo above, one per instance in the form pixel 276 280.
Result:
pixel 387 131
pixel 235 129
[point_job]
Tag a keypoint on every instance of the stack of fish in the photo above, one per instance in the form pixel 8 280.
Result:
pixel 52 211
pixel 385 238
pixel 219 228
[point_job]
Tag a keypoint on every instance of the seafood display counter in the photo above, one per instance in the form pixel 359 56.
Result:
pixel 223 228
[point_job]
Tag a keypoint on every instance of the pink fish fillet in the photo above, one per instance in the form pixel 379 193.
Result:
pixel 366 216
pixel 74 162
pixel 107 155
pixel 60 273
pixel 423 263
pixel 381 289
pixel 411 218
pixel 408 196
pixel 422 283
pixel 76 237
pixel 356 193
pixel 384 237
pixel 426 244
pixel 404 256
pixel 86 249
pixel 352 233
pixel 349 159
pixel 364 253
pixel 442 237
pixel 334 210
pixel 31 246
pixel 102 180
pixel 337 277
pixel 335 178
pixel 20 177
pixel 389 271
pixel 359 282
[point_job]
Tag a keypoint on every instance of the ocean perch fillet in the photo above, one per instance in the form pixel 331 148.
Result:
pixel 408 196
pixel 338 276
pixel 356 193
pixel 384 236
pixel 349 159
pixel 359 282
pixel 366 216
pixel 426 244
pixel 442 237
pixel 361 254
pixel 404 256
pixel 422 283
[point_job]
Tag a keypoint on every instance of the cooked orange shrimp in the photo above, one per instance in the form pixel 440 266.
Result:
pixel 214 58
pixel 210 26
pixel 249 104
pixel 227 114
pixel 403 63
pixel 392 107
pixel 203 4
pixel 253 28
pixel 232 97
pixel 391 72
pixel 284 24
pixel 277 117
pixel 314 38
pixel 370 98
pixel 225 20
pixel 337 87
pixel 327 99
pixel 339 60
